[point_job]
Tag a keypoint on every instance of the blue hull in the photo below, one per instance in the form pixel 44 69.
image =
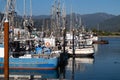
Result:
pixel 31 63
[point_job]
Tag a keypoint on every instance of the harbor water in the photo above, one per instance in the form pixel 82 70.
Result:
pixel 104 65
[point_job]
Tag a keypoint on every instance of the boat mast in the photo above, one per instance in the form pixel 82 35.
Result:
pixel 3 19
pixel 71 22
pixel 55 19
pixel 30 9
pixel 64 16
pixel 52 21
pixel 81 26
pixel 58 17
pixel 30 20
pixel 25 22
pixel 11 13
pixel 24 10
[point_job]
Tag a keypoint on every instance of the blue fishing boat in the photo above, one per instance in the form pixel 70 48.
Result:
pixel 31 63
pixel 42 58
pixel 46 60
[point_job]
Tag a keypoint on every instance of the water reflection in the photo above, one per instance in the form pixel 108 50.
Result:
pixel 32 74
pixel 96 47
pixel 78 64
pixel 59 73
pixel 71 64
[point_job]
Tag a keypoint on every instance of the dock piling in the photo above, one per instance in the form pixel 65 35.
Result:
pixel 6 50
pixel 64 39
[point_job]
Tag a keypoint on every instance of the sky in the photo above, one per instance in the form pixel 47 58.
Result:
pixel 43 7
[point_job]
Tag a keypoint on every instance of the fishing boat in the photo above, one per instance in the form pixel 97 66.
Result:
pixel 83 51
pixel 42 58
pixel 101 42
pixel 47 61
pixel 82 47
pixel 1 50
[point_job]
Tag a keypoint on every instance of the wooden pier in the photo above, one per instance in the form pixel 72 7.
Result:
pixel 21 77
pixel 26 77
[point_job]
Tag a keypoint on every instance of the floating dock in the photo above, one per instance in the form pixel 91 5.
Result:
pixel 21 77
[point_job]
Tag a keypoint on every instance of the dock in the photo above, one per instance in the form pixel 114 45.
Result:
pixel 26 77
pixel 21 77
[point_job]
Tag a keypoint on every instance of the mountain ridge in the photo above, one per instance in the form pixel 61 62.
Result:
pixel 90 21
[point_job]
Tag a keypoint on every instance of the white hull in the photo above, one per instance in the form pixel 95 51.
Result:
pixel 82 51
pixel 95 38
pixel 1 50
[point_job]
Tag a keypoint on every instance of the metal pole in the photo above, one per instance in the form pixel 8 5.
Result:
pixel 73 71
pixel 6 50
pixel 73 62
pixel 64 35
pixel 73 43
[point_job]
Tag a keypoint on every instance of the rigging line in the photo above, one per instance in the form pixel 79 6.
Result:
pixel 30 8
pixel 24 9
pixel 17 8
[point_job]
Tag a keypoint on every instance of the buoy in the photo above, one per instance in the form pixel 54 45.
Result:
pixel 47 44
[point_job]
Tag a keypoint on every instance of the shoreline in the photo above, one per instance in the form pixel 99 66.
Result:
pixel 108 36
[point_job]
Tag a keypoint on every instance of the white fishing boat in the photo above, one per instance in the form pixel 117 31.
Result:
pixel 82 47
pixel 85 51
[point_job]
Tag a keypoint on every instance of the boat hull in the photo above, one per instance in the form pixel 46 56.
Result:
pixel 1 50
pixel 31 63
pixel 101 42
pixel 82 52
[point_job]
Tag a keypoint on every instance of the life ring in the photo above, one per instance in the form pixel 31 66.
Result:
pixel 47 44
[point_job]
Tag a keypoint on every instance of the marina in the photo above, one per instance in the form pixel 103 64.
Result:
pixel 103 65
pixel 60 46
pixel 24 48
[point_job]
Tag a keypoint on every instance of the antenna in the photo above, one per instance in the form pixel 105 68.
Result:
pixel 6 13
pixel 71 22
pixel 30 8
pixel 24 9
pixel 9 11
pixel 64 15
pixel 30 20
